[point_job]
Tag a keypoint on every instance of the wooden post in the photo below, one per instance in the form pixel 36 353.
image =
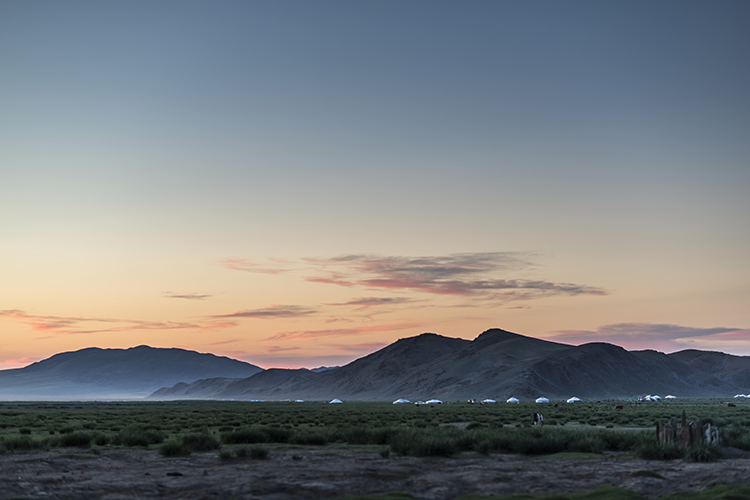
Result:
pixel 687 435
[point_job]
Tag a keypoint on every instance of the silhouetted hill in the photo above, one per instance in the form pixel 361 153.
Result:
pixel 726 368
pixel 95 373
pixel 369 377
pixel 497 364
pixel 605 370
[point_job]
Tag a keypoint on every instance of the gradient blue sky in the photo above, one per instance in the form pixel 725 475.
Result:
pixel 298 183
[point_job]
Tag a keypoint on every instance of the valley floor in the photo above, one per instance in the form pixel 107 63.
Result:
pixel 328 473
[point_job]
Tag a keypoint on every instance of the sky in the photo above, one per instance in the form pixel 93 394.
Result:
pixel 299 184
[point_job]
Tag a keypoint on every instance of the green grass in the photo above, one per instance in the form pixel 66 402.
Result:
pixel 722 492
pixel 445 430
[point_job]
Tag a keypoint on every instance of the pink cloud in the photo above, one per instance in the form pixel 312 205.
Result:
pixel 467 274
pixel 368 302
pixel 331 281
pixel 276 348
pixel 225 342
pixel 340 332
pixel 276 311
pixel 250 267
pixel 187 296
pixel 63 325
pixel 359 348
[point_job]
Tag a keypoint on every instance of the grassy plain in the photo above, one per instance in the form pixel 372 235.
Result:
pixel 179 428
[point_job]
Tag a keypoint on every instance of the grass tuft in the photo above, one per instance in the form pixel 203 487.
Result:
pixel 174 449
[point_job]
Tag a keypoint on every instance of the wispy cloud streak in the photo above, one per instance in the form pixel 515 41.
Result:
pixel 468 274
pixel 80 325
pixel 358 348
pixel 248 266
pixel 187 296
pixel 276 311
pixel 486 276
pixel 368 302
pixel 339 332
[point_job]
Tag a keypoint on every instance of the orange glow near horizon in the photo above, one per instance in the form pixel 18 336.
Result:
pixel 337 324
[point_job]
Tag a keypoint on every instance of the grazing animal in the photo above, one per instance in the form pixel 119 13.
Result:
pixel 732 405
pixel 538 419
pixel 619 407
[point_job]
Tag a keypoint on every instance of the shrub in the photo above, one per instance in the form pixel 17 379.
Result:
pixel 13 443
pixel 703 453
pixel 200 442
pixel 736 437
pixel 242 436
pixel 174 449
pixel 256 435
pixel 420 443
pixel 622 441
pixel 258 453
pixel 356 435
pixel 79 439
pixel 318 438
pixel 651 450
pixel 138 436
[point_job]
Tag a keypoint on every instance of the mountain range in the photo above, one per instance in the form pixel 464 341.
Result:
pixel 496 364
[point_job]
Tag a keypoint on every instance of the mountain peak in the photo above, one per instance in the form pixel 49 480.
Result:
pixel 494 335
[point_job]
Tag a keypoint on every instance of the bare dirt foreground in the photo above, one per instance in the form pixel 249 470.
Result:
pixel 121 474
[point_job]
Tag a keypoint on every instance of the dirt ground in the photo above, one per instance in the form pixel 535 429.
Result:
pixel 121 474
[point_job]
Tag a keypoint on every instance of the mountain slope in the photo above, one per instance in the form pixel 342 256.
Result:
pixel 726 368
pixel 370 377
pixel 605 370
pixel 97 373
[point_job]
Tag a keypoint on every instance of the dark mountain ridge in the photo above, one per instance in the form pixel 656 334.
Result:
pixel 725 368
pixel 95 373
